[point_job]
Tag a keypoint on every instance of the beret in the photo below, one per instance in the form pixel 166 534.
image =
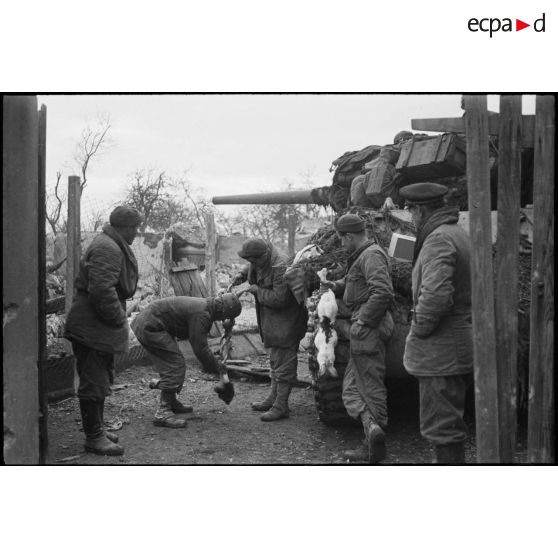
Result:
pixel 349 223
pixel 125 216
pixel 423 193
pixel 253 247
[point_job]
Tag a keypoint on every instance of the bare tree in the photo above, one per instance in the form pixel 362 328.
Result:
pixel 55 202
pixel 93 141
pixel 198 202
pixel 168 212
pixel 147 192
pixel 97 218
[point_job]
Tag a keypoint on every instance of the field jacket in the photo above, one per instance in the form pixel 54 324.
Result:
pixel 183 317
pixel 440 338
pixel 107 276
pixel 367 290
pixel 281 319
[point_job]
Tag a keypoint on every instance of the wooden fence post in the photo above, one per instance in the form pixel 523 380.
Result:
pixel 20 280
pixel 507 273
pixel 73 246
pixel 480 230
pixel 72 237
pixel 540 439
pixel 210 246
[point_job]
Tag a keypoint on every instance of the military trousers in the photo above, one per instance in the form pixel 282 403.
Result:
pixel 363 383
pixel 95 371
pixel 283 362
pixel 167 359
pixel 442 405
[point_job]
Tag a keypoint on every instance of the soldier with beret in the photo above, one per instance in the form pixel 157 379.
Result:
pixel 368 292
pixel 439 346
pixel 281 321
pixel 97 325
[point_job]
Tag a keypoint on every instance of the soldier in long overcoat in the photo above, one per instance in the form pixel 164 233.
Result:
pixel 96 323
pixel 439 346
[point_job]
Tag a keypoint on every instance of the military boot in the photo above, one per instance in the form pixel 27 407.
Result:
pixel 359 455
pixel 376 443
pixel 164 416
pixel 95 439
pixel 111 436
pixel 179 408
pixel 267 403
pixel 280 407
pixel 450 454
pixel 373 448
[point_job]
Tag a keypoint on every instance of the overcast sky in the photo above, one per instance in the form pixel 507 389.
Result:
pixel 230 143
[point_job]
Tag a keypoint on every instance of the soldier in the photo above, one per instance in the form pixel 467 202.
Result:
pixel 439 346
pixel 97 325
pixel 379 182
pixel 281 321
pixel 368 292
pixel 181 317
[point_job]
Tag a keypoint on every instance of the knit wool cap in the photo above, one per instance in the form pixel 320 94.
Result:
pixel 253 247
pixel 423 193
pixel 125 216
pixel 349 223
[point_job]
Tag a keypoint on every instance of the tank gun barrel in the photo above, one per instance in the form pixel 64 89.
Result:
pixel 285 197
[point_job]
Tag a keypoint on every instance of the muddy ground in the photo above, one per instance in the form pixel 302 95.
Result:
pixel 233 434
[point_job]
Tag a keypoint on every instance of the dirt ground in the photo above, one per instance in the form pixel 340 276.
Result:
pixel 232 434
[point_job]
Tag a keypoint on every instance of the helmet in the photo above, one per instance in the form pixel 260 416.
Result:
pixel 402 136
pixel 230 305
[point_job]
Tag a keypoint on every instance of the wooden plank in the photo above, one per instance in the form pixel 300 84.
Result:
pixel 210 245
pixel 73 245
pixel 457 125
pixel 183 267
pixel 507 273
pixel 484 338
pixel 540 438
pixel 56 304
pixel 43 399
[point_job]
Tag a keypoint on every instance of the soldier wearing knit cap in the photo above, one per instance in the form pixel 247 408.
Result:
pixel 439 346
pixel 281 321
pixel 367 291
pixel 97 324
pixel 350 223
